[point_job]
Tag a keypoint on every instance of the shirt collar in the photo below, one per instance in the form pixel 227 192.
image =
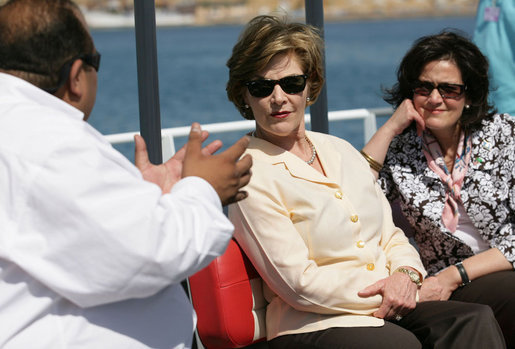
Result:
pixel 25 90
pixel 265 151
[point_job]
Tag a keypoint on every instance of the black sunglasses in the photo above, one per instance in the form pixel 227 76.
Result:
pixel 452 91
pixel 91 59
pixel 264 87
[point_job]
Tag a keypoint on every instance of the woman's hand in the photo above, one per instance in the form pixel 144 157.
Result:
pixel 432 290
pixel 450 280
pixel 441 286
pixel 399 295
pixel 403 116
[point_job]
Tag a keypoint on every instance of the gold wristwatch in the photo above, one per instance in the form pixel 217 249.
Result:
pixel 413 275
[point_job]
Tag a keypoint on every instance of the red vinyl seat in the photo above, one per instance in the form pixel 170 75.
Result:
pixel 228 298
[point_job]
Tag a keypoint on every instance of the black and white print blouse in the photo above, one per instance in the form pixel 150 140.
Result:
pixel 488 193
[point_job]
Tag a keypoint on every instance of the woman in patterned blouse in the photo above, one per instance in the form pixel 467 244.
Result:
pixel 448 160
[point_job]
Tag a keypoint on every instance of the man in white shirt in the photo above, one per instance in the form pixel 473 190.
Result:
pixel 91 254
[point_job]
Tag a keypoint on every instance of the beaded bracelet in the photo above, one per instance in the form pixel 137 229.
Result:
pixel 373 164
pixel 463 273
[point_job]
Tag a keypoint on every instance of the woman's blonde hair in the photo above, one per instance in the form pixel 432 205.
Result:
pixel 265 37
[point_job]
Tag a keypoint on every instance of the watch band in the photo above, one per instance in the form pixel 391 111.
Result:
pixel 463 273
pixel 412 275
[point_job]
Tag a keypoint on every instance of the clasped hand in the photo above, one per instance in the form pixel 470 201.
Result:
pixel 438 288
pixel 399 295
pixel 226 172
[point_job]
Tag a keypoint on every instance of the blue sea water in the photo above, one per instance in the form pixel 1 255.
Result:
pixel 361 57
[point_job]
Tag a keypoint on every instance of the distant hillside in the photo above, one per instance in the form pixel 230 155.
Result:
pixel 114 13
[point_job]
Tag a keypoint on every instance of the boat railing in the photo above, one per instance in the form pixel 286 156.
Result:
pixel 168 135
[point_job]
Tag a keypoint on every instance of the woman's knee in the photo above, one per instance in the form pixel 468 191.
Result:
pixel 451 324
pixel 483 326
pixel 496 291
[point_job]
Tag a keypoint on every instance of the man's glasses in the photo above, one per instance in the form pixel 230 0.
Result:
pixel 91 59
pixel 264 87
pixel 452 91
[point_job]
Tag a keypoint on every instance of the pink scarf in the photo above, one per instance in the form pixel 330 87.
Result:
pixel 454 180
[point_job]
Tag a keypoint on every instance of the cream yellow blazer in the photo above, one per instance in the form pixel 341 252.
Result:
pixel 315 240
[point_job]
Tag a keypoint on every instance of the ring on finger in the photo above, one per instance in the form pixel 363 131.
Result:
pixel 398 317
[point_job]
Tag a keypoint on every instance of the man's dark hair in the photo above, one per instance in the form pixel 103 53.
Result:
pixel 37 37
pixel 455 47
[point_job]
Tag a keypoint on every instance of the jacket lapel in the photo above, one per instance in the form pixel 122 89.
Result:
pixel 265 151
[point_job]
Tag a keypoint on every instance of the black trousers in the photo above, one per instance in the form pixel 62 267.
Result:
pixel 438 325
pixel 496 290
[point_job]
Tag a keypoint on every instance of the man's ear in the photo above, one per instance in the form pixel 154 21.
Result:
pixel 75 84
pixel 73 89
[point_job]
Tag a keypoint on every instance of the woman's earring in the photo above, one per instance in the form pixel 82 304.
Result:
pixel 308 99
pixel 467 106
pixel 246 106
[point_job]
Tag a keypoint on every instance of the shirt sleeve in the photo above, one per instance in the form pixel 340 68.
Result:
pixel 95 232
pixel 504 238
pixel 385 179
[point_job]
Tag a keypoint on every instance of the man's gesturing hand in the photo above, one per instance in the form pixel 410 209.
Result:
pixel 226 172
pixel 167 174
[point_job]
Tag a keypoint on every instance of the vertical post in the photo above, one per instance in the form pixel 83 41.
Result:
pixel 148 85
pixel 318 111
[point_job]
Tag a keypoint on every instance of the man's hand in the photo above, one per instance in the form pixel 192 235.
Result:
pixel 399 295
pixel 226 172
pixel 167 174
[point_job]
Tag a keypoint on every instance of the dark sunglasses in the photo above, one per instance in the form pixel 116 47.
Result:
pixel 452 91
pixel 91 59
pixel 264 87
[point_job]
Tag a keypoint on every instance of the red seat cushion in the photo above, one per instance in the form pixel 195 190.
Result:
pixel 230 314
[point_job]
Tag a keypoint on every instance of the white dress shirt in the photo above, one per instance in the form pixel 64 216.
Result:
pixel 91 255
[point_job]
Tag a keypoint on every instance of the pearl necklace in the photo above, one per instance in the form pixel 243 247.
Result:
pixel 313 150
